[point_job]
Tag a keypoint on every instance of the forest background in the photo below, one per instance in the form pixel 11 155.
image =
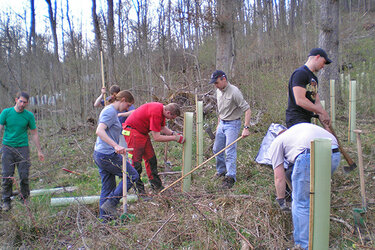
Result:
pixel 167 53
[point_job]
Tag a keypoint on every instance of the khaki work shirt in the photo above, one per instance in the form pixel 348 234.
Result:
pixel 230 103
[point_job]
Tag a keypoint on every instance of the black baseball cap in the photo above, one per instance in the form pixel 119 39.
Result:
pixel 321 52
pixel 215 75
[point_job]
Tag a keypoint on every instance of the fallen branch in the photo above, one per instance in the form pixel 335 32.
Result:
pixel 351 229
pixel 156 233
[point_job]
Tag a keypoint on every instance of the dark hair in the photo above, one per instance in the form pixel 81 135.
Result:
pixel 124 94
pixel 114 89
pixel 173 108
pixel 23 94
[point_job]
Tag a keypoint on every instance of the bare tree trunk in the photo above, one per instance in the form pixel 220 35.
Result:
pixel 292 14
pixel 52 20
pixel 259 21
pixel 282 11
pixel 98 35
pixel 31 46
pixel 329 41
pixel 95 20
pixel 110 41
pixel 225 35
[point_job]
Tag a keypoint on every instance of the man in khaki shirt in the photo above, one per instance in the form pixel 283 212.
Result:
pixel 231 106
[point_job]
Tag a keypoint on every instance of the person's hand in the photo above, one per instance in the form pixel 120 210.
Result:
pixel 103 90
pixel 180 139
pixel 41 155
pixel 120 150
pixel 245 132
pixel 324 119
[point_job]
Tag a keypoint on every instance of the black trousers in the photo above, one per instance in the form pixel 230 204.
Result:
pixel 15 157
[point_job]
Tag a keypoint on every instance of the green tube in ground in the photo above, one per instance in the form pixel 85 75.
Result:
pixel 352 110
pixel 333 105
pixel 187 151
pixel 199 132
pixel 320 193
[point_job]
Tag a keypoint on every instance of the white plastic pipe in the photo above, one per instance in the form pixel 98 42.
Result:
pixel 52 191
pixel 63 201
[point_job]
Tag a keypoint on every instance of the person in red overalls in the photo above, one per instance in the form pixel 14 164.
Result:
pixel 149 117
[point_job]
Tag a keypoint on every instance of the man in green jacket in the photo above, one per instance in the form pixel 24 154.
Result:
pixel 16 121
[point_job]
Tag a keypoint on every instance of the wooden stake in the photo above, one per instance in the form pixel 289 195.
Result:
pixel 103 82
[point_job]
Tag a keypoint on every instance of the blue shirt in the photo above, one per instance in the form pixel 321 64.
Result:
pixel 108 116
pixel 122 119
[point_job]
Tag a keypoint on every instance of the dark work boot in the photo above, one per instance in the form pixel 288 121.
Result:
pixel 109 208
pixel 6 206
pixel 156 185
pixel 228 183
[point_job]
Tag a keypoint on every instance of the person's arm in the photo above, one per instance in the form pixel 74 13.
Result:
pixel 100 131
pixel 35 139
pixel 246 131
pixel 98 100
pixel 302 101
pixel 125 114
pixel 157 136
pixel 280 183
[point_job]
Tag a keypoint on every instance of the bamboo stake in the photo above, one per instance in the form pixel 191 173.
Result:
pixel 361 172
pixel 193 170
pixel 103 82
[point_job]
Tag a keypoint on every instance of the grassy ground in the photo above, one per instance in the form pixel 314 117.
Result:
pixel 203 218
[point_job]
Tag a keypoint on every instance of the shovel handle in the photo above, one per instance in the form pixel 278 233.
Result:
pixel 360 167
pixel 342 150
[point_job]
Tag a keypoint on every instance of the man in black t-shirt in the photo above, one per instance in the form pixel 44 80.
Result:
pixel 303 100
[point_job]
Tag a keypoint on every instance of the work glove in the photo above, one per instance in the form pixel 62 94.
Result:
pixel 180 139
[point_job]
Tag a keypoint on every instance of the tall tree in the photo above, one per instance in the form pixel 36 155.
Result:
pixel 225 35
pixel 110 41
pixel 31 43
pixel 52 20
pixel 329 41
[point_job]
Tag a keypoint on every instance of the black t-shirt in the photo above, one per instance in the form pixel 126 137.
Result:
pixel 304 78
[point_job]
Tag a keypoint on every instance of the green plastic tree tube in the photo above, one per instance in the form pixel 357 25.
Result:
pixel 199 132
pixel 352 110
pixel 333 105
pixel 187 152
pixel 320 193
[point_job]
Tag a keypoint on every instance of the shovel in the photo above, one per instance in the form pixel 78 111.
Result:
pixel 359 212
pixel 125 216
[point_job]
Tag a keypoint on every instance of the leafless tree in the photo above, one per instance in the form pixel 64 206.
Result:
pixel 329 40
pixel 225 35
pixel 52 19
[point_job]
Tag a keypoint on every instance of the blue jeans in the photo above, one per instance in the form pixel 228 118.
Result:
pixel 110 166
pixel 301 196
pixel 226 133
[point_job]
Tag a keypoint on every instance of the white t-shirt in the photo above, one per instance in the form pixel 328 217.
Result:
pixel 295 140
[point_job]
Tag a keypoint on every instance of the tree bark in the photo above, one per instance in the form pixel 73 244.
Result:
pixel 329 41
pixel 31 45
pixel 225 32
pixel 110 41
pixel 52 20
